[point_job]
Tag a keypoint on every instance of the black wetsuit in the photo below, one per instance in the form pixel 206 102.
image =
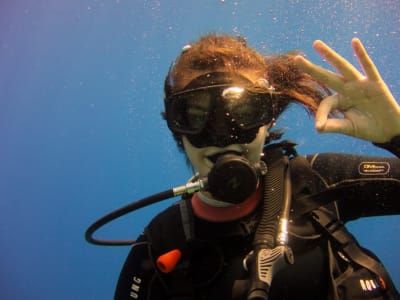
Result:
pixel 212 253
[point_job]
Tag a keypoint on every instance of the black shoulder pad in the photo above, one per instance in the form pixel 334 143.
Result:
pixel 165 231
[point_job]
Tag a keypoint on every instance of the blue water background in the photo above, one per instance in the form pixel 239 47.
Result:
pixel 80 128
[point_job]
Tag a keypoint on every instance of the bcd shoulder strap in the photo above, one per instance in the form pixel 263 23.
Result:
pixel 165 233
pixel 335 230
pixel 187 219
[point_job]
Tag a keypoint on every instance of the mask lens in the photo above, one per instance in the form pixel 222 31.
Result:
pixel 191 111
pixel 188 112
pixel 251 110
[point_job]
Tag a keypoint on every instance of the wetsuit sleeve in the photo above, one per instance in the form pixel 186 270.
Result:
pixel 372 183
pixel 138 277
pixel 392 146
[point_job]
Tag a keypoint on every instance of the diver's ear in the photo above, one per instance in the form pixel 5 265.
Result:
pixel 273 134
pixel 265 131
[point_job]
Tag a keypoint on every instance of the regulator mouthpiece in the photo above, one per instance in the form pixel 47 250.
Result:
pixel 233 178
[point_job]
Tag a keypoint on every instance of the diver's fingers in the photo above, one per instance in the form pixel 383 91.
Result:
pixel 366 62
pixel 326 106
pixel 348 71
pixel 343 126
pixel 320 74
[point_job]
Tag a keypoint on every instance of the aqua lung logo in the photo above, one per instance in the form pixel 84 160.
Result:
pixel 374 168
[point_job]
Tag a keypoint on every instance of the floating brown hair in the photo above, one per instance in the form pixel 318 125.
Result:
pixel 225 53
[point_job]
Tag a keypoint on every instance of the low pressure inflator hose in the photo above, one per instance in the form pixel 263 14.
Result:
pixel 271 252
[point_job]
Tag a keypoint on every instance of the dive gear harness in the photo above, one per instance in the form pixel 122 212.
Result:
pixel 270 251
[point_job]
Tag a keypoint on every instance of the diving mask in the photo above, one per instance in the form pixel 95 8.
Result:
pixel 227 112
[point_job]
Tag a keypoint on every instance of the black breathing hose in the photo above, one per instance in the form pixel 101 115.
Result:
pixel 121 212
pixel 232 179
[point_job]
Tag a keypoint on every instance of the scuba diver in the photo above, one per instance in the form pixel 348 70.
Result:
pixel 269 223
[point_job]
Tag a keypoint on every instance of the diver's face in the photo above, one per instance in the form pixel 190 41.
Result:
pixel 202 159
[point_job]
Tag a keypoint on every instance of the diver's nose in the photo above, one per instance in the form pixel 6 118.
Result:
pixel 221 122
pixel 223 133
pixel 222 140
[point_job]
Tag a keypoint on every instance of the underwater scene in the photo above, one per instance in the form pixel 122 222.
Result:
pixel 81 97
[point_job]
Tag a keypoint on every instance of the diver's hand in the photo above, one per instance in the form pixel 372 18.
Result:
pixel 363 105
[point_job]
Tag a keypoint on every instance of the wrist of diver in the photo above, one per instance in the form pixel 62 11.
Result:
pixel 392 146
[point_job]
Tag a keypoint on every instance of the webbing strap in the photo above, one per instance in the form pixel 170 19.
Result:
pixel 186 217
pixel 180 285
pixel 349 246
